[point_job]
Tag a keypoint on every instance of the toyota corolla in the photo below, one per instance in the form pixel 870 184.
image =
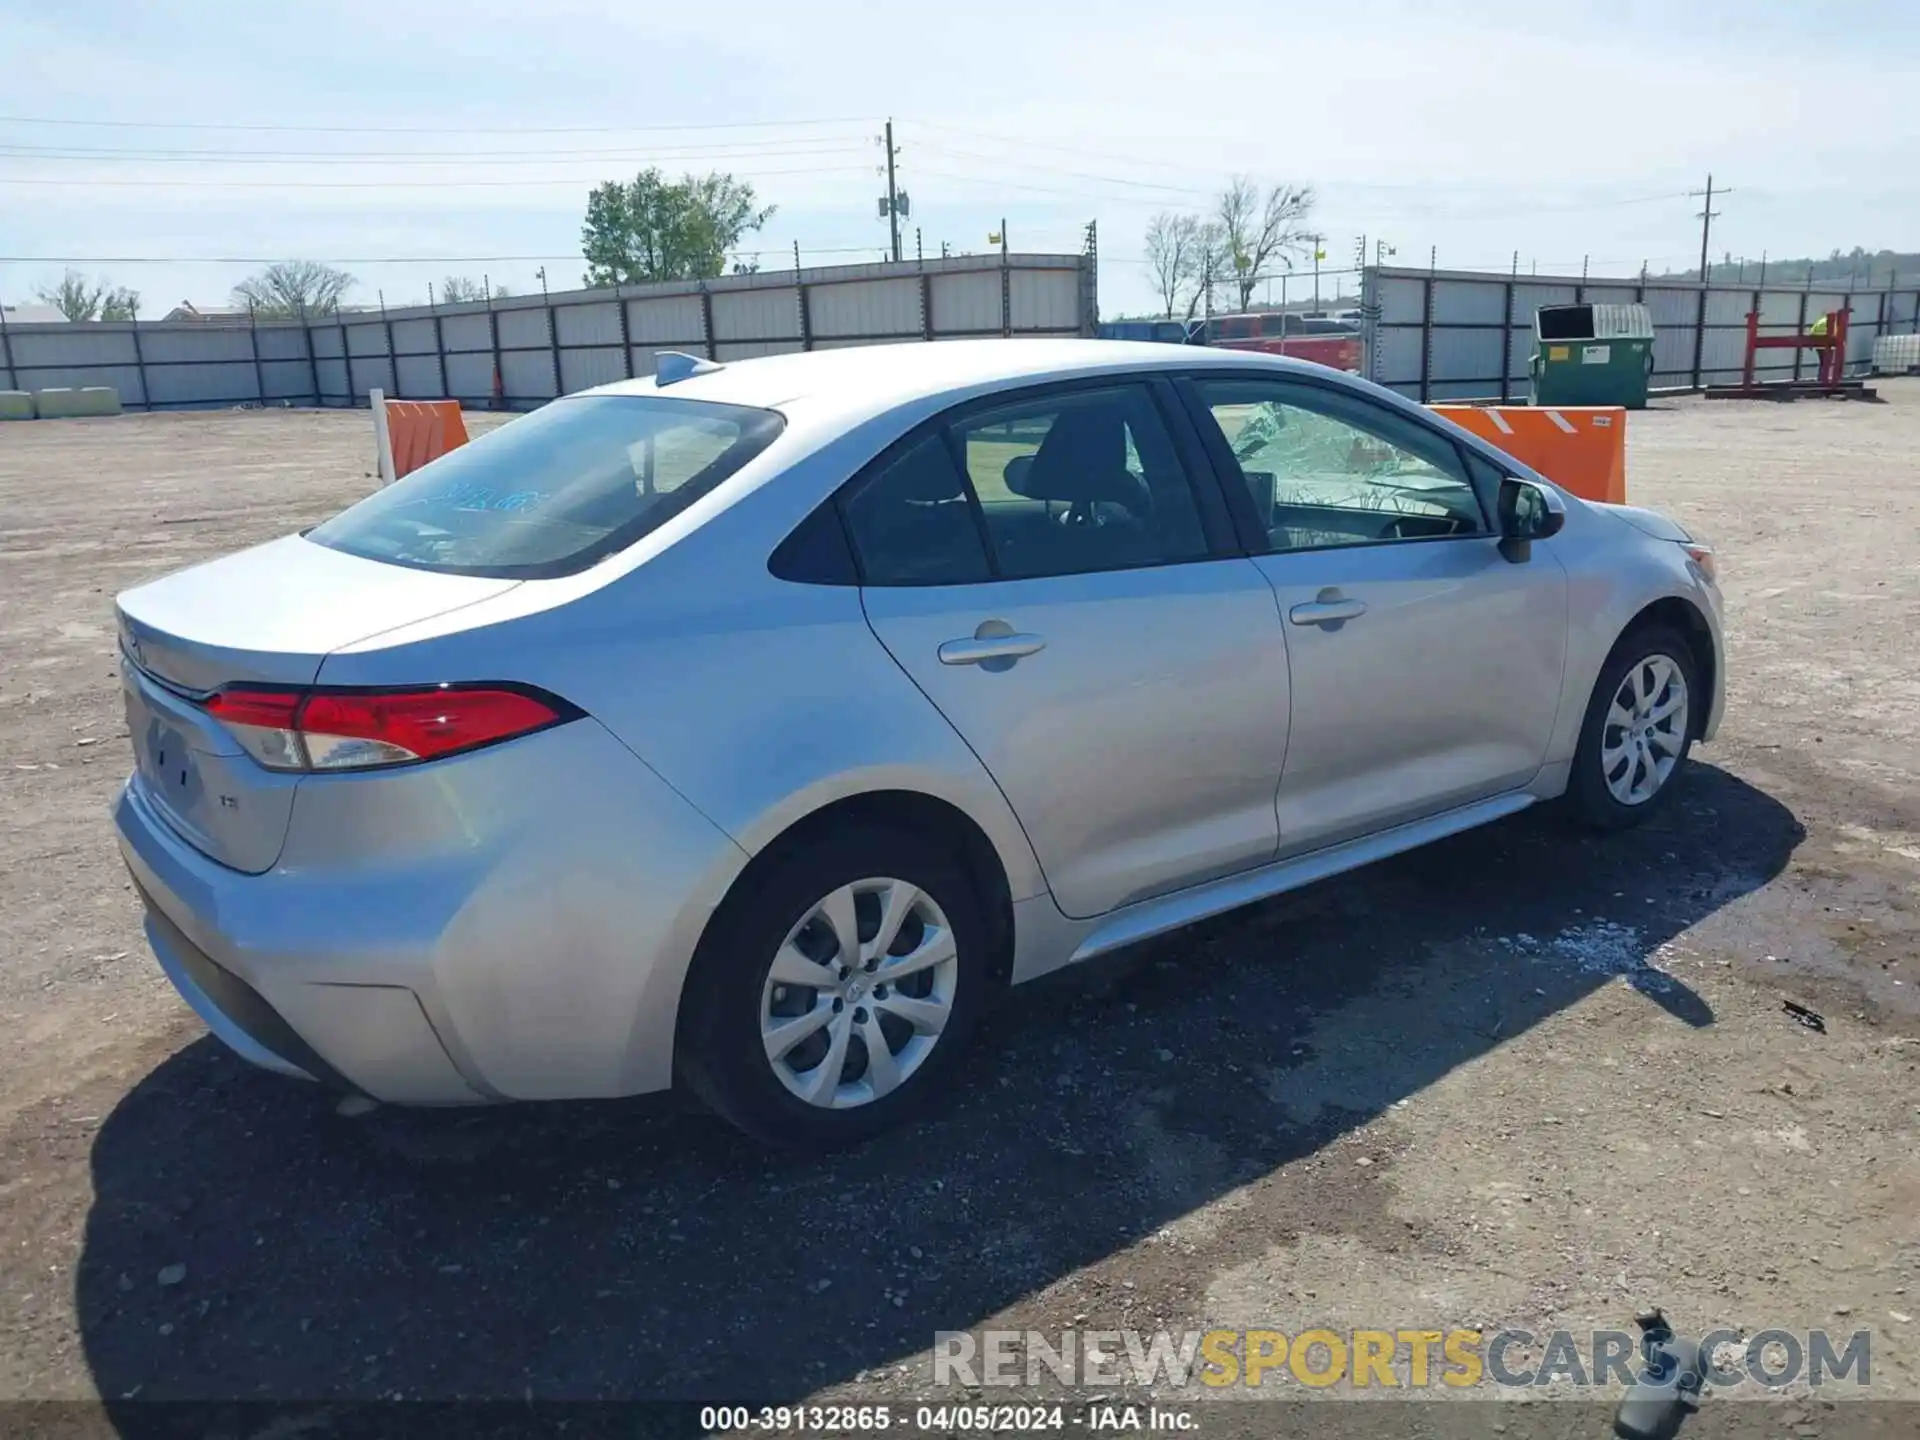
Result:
pixel 752 726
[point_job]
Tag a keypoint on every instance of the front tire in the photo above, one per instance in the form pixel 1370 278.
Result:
pixel 836 990
pixel 1638 730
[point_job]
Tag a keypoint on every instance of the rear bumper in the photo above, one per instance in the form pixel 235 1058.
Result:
pixel 511 924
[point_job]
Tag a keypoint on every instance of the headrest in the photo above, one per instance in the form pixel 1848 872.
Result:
pixel 1083 458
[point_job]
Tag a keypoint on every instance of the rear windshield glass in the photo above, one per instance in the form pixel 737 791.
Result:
pixel 555 491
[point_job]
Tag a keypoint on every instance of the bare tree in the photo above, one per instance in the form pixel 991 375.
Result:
pixel 292 288
pixel 464 290
pixel 1259 230
pixel 73 297
pixel 1210 268
pixel 1173 257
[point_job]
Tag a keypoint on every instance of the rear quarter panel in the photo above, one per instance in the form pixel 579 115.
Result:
pixel 758 700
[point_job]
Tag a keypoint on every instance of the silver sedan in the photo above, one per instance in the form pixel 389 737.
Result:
pixel 752 726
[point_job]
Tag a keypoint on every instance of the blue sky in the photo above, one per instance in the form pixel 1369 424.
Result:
pixel 1562 131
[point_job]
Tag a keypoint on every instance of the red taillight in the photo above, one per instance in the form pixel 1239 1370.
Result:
pixel 354 729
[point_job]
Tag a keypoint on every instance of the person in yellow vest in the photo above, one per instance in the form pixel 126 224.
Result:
pixel 1819 327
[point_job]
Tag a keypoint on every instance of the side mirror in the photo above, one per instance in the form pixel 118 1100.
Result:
pixel 1528 512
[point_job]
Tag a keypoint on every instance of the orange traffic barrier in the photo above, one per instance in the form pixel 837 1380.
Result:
pixel 422 430
pixel 1581 448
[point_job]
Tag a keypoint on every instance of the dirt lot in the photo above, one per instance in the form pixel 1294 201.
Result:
pixel 1523 1078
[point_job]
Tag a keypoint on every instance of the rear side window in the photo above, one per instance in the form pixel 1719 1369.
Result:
pixel 913 524
pixel 555 491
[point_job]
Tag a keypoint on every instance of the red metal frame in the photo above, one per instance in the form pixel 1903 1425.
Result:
pixel 1832 347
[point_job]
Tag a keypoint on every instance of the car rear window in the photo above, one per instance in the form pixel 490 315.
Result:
pixel 554 491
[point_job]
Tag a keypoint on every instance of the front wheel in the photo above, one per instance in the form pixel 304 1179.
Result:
pixel 837 991
pixel 1638 730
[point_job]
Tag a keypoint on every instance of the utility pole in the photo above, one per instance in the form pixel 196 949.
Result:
pixel 1706 217
pixel 893 196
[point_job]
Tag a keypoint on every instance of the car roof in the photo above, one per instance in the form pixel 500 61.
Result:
pixel 857 382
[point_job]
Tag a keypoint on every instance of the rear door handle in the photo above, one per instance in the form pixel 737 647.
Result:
pixel 1327 612
pixel 976 649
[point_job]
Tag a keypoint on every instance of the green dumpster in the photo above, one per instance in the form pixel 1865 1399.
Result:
pixel 1592 355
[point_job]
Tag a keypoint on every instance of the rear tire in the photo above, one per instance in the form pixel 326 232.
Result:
pixel 775 965
pixel 1638 730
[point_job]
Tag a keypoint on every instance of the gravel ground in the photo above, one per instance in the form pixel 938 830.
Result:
pixel 1522 1078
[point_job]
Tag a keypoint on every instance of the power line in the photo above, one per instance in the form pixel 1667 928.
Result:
pixel 424 129
pixel 373 184
pixel 1055 170
pixel 826 145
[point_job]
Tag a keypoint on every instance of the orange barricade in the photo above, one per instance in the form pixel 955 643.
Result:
pixel 422 430
pixel 1581 448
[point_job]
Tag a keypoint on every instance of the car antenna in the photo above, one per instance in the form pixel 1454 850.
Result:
pixel 670 366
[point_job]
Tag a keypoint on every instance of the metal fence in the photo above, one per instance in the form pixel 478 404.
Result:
pixel 520 352
pixel 1468 335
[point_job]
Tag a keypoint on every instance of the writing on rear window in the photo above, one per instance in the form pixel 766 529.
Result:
pixel 555 491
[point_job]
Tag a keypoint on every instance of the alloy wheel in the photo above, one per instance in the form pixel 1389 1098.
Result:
pixel 859 992
pixel 1645 730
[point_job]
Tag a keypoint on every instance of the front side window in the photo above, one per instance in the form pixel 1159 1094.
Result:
pixel 1325 469
pixel 557 490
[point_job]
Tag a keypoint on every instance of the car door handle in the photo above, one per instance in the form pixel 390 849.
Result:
pixel 975 649
pixel 1327 612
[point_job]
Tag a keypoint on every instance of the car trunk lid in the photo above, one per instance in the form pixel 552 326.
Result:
pixel 266 616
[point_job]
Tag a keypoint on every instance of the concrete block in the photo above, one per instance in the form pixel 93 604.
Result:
pixel 61 403
pixel 16 405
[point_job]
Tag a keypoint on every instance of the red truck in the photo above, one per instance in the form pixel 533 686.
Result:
pixel 1321 339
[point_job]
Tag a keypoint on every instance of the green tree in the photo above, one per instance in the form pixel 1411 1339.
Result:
pixel 653 228
pixel 73 297
pixel 291 288
pixel 120 303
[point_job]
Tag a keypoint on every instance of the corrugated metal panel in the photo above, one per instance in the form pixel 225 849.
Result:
pixel 1044 299
pixel 1728 307
pixel 589 325
pixel 200 384
pixel 527 375
pixel 1609 295
pixel 326 342
pixel 1399 357
pixel 1466 355
pixel 159 347
pixel 413 337
pixel 286 380
pixel 520 328
pixel 333 378
pixel 464 332
pixel 1402 300
pixel 366 340
pixel 370 372
pixel 583 369
pixel 750 349
pixel 873 308
pixel 1672 352
pixel 469 377
pixel 672 321
pixel 1457 302
pixel 1529 297
pixel 282 343
pixel 70 345
pixel 419 377
pixel 851 344
pixel 1673 307
pixel 964 304
pixel 770 314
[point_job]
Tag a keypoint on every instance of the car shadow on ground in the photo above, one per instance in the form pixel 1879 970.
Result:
pixel 638 1249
